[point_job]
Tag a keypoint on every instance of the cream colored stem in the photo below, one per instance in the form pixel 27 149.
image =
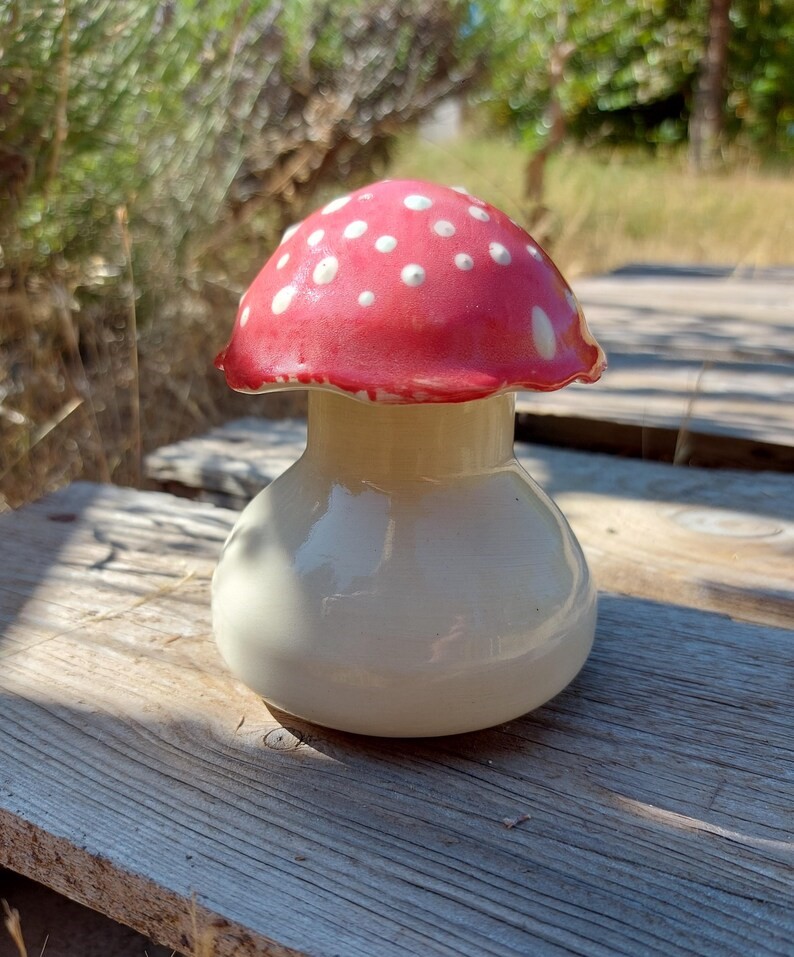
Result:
pixel 405 576
pixel 379 444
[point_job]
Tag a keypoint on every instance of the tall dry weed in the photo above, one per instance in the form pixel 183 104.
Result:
pixel 84 394
pixel 13 924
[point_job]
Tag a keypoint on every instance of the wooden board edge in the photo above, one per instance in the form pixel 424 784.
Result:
pixel 651 443
pixel 131 899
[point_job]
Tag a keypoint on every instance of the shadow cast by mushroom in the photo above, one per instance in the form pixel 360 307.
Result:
pixel 631 788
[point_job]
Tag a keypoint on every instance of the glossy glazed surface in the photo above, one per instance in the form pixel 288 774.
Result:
pixel 405 577
pixel 409 292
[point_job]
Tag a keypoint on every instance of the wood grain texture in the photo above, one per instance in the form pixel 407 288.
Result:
pixel 711 412
pixel 707 312
pixel 229 464
pixel 720 540
pixel 137 777
pixel 700 369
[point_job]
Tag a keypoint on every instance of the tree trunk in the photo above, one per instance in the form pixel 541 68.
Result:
pixel 539 218
pixel 555 119
pixel 708 108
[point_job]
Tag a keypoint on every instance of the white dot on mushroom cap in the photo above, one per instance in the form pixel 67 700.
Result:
pixel 355 229
pixel 543 333
pixel 315 237
pixel 499 254
pixel 385 244
pixel 366 298
pixel 336 204
pixel 325 270
pixel 282 299
pixel 460 189
pixel 444 228
pixel 289 232
pixel 417 202
pixel 283 261
pixel 571 300
pixel 412 275
pixel 366 196
pixel 534 251
pixel 245 315
pixel 464 261
pixel 478 213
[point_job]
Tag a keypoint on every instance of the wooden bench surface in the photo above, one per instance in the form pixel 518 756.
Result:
pixel 710 312
pixel 701 369
pixel 716 539
pixel 647 809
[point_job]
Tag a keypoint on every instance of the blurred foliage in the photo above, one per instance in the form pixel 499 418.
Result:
pixel 760 96
pixel 151 151
pixel 188 112
pixel 631 66
pixel 214 121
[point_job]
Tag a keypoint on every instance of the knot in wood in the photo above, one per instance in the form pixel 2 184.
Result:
pixel 283 739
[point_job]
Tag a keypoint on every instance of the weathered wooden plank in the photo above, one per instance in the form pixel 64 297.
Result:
pixel 136 776
pixel 700 369
pixel 229 464
pixel 686 410
pixel 707 313
pixel 719 540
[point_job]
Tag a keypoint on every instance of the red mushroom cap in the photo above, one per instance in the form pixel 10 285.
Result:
pixel 407 292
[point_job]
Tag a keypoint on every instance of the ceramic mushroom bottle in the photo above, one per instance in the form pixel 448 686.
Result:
pixel 406 577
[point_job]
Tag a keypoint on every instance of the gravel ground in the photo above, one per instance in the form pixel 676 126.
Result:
pixel 69 929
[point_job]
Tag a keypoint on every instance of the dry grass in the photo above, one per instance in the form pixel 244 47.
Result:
pixel 609 209
pixel 13 925
pixel 84 395
pixel 84 392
